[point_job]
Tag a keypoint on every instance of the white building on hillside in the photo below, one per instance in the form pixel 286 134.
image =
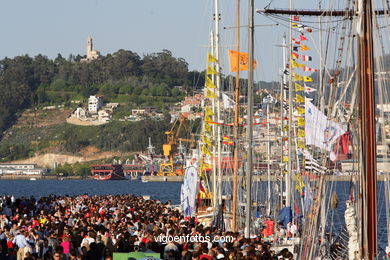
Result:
pixel 95 103
pixel 104 115
pixel 81 113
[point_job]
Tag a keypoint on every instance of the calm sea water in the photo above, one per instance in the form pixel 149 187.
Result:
pixel 157 190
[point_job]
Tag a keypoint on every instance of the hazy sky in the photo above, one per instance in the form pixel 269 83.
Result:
pixel 50 27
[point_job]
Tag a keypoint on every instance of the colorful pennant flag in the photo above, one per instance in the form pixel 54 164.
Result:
pixel 306 58
pixel 295 55
pixel 297 77
pixel 209 83
pixel 210 94
pixel 309 69
pixel 302 28
pixel 207 128
pixel 208 112
pixel 206 150
pixel 243 61
pixel 304 47
pixel 210 70
pixel 295 48
pixel 301 144
pixel 299 98
pixel 227 141
pixel 299 87
pixel 295 41
pixel 309 89
pixel 295 18
pixel 301 121
pixel 207 141
pixel 307 79
pixel 295 64
pixel 203 165
pixel 210 58
pixel 301 133
pixel 300 110
pixel 285 159
pixel 302 38
pixel 295 25
pixel 299 185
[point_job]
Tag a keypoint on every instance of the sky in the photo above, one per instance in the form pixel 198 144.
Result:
pixel 50 27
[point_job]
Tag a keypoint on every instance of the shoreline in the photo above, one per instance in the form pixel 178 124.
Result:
pixel 260 178
pixel 41 177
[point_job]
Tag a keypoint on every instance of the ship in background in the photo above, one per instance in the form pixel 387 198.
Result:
pixel 104 172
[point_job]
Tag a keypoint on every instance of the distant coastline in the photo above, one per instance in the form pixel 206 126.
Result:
pixel 40 177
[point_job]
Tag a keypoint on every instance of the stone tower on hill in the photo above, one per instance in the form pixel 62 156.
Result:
pixel 91 53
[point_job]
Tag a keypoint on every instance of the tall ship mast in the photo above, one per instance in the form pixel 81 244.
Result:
pixel 368 216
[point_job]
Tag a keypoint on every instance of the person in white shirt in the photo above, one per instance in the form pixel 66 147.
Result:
pixel 294 229
pixel 21 242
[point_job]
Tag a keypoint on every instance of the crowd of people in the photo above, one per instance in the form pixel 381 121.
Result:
pixel 95 227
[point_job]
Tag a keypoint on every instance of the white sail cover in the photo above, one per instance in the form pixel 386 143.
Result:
pixel 320 131
pixel 350 222
pixel 188 191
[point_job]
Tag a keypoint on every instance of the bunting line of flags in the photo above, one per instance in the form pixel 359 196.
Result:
pixel 207 140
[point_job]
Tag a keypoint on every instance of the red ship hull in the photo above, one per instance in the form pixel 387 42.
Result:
pixel 107 172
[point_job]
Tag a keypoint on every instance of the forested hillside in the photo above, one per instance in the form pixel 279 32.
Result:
pixel 123 76
pixel 29 84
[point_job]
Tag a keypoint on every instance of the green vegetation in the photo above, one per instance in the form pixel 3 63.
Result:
pixel 157 80
pixel 122 77
pixel 66 138
pixel 73 169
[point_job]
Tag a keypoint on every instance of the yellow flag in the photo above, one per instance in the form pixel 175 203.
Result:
pixel 299 99
pixel 205 150
pixel 300 110
pixel 210 94
pixel 207 128
pixel 204 166
pixel 301 133
pixel 307 79
pixel 299 87
pixel 285 159
pixel 209 83
pixel 210 58
pixel 297 77
pixel 295 64
pixel 304 47
pixel 285 128
pixel 210 70
pixel 208 112
pixel 294 25
pixel 301 121
pixel 299 184
pixel 301 144
pixel 207 141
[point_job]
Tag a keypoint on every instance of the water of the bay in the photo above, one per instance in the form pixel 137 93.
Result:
pixel 39 188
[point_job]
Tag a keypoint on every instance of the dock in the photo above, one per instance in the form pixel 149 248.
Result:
pixel 162 178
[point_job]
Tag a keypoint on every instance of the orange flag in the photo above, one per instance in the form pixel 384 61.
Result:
pixel 242 58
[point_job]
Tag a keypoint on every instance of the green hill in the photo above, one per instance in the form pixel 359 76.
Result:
pixel 30 84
